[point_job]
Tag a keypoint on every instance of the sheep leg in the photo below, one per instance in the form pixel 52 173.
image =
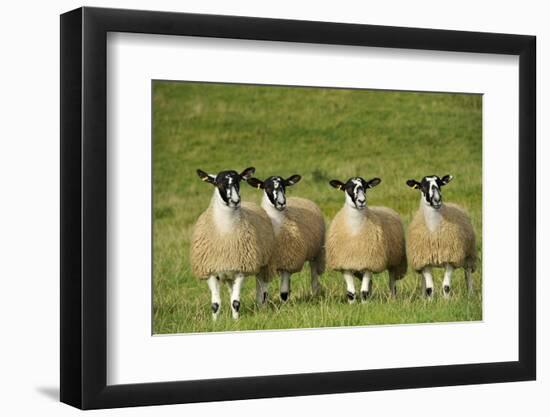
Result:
pixel 393 289
pixel 469 281
pixel 236 295
pixel 285 285
pixel 350 286
pixel 447 280
pixel 261 290
pixel 428 281
pixel 366 286
pixel 315 284
pixel 214 285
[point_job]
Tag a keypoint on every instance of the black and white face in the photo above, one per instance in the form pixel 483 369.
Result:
pixel 275 188
pixel 356 190
pixel 228 184
pixel 430 186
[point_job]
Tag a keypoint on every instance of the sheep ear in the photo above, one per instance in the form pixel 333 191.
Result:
pixel 446 179
pixel 337 184
pixel 206 177
pixel 247 173
pixel 255 182
pixel 413 184
pixel 373 182
pixel 292 180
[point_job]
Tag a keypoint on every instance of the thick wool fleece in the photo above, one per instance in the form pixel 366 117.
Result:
pixel 453 242
pixel 301 237
pixel 245 249
pixel 377 245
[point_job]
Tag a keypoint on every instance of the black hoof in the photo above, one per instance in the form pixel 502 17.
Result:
pixel 447 289
pixel 215 307
pixel 236 305
pixel 429 292
pixel 284 296
pixel 351 295
pixel 364 295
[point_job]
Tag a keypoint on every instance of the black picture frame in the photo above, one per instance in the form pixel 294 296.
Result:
pixel 84 207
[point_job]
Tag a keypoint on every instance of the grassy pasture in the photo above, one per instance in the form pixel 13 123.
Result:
pixel 321 134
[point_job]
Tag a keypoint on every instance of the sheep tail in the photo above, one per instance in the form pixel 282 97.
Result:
pixel 321 261
pixel 401 269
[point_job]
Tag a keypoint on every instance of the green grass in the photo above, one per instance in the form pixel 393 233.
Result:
pixel 321 134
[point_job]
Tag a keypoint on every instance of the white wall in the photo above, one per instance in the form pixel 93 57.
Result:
pixel 29 177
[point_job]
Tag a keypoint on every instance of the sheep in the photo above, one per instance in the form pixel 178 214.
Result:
pixel 299 228
pixel 440 235
pixel 231 240
pixel 364 240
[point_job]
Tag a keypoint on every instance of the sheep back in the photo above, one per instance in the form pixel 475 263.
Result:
pixel 300 238
pixel 452 243
pixel 377 245
pixel 246 249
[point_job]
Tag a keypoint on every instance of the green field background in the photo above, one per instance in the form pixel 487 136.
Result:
pixel 321 134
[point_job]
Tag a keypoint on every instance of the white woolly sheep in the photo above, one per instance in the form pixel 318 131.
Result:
pixel 231 241
pixel 440 235
pixel 299 228
pixel 364 240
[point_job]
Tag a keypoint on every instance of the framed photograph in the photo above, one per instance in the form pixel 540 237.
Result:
pixel 258 208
